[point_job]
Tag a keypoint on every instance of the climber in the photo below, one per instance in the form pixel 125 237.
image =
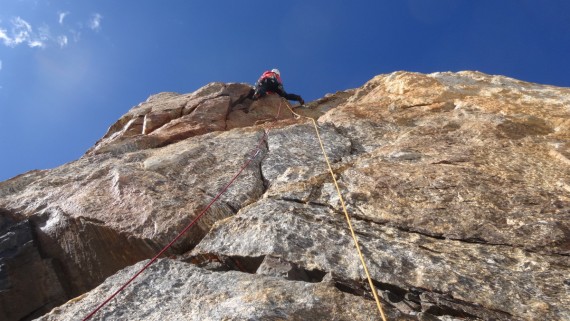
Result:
pixel 270 82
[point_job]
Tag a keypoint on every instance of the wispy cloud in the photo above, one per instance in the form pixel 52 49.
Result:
pixel 62 16
pixel 62 41
pixel 36 44
pixel 95 22
pixel 18 31
pixel 21 32
pixel 3 36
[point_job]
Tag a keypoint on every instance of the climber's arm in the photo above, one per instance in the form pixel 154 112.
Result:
pixel 287 96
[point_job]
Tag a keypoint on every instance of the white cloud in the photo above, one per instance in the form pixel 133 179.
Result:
pixel 62 16
pixel 18 31
pixel 95 22
pixel 36 44
pixel 22 32
pixel 62 41
pixel 3 36
pixel 22 24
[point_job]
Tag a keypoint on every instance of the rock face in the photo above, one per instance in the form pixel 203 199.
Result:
pixel 458 185
pixel 22 266
pixel 185 292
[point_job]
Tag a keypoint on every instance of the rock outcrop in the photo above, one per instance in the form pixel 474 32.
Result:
pixel 458 185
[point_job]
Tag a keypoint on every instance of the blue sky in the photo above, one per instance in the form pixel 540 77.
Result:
pixel 70 69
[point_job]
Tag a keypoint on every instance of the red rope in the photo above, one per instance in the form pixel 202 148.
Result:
pixel 254 153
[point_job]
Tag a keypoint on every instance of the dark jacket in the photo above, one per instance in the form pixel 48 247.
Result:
pixel 270 82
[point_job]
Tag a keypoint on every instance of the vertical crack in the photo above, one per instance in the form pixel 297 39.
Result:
pixel 264 181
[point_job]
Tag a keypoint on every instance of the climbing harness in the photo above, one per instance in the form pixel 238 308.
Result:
pixel 354 238
pixel 223 190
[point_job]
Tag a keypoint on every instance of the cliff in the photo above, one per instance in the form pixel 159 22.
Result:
pixel 458 185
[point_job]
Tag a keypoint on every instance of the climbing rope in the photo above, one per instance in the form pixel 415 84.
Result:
pixel 279 110
pixel 354 238
pixel 223 190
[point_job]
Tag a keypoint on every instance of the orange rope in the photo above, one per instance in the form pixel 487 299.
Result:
pixel 256 151
pixel 354 238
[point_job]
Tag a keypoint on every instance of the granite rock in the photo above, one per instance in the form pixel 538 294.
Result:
pixel 457 185
pixel 30 284
pixel 181 291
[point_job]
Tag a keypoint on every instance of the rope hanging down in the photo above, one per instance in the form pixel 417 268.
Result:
pixel 354 238
pixel 224 189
